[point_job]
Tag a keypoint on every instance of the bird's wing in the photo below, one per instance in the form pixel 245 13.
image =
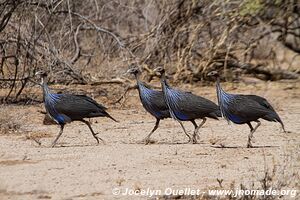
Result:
pixel 186 106
pixel 262 101
pixel 192 104
pixel 157 100
pixel 92 101
pixel 272 114
pixel 246 108
pixel 152 99
pixel 78 106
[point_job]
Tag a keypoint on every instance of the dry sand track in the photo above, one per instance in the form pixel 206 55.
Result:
pixel 79 169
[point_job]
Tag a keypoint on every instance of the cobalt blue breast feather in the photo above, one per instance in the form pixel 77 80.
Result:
pixel 50 102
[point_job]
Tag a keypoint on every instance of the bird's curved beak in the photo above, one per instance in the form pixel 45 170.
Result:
pixel 212 73
pixel 125 73
pixel 38 73
pixel 155 70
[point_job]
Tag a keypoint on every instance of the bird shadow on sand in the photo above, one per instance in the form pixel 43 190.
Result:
pixel 70 145
pixel 153 142
pixel 243 147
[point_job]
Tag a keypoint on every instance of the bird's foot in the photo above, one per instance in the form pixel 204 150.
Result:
pixel 194 139
pixel 98 138
pixel 189 141
pixel 250 139
pixel 249 145
pixel 196 135
pixel 284 131
pixel 145 141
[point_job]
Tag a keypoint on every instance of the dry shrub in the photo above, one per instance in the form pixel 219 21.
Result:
pixel 9 125
pixel 85 41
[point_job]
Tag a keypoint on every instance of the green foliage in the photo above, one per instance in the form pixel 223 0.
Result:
pixel 251 7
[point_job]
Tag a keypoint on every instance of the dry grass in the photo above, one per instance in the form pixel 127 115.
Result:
pixel 9 124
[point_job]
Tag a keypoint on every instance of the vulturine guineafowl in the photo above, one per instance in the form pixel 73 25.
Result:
pixel 185 106
pixel 65 108
pixel 244 109
pixel 152 100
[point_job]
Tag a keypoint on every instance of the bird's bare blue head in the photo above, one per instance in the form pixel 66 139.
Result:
pixel 43 75
pixel 134 70
pixel 159 70
pixel 213 74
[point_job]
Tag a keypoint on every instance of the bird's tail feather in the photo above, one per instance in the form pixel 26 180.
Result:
pixel 280 121
pixel 215 114
pixel 218 113
pixel 282 125
pixel 275 117
pixel 109 116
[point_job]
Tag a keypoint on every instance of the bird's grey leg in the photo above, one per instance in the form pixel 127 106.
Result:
pixel 190 138
pixel 249 144
pixel 58 136
pixel 252 130
pixel 257 125
pixel 195 134
pixel 282 125
pixel 194 123
pixel 147 139
pixel 197 130
pixel 93 133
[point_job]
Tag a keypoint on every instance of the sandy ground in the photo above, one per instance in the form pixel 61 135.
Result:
pixel 78 168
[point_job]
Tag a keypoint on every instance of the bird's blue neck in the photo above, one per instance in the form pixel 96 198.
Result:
pixel 219 89
pixel 221 94
pixel 137 79
pixel 48 96
pixel 138 82
pixel 224 100
pixel 46 89
pixel 164 83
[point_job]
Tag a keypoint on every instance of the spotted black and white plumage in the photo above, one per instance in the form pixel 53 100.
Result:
pixel 241 109
pixel 185 106
pixel 65 108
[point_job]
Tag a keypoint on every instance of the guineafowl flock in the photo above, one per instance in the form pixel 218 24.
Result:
pixel 165 103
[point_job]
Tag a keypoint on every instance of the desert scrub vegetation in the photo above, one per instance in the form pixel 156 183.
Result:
pixel 276 175
pixel 81 42
pixel 9 124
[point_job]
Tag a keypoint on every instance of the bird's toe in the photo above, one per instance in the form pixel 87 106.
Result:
pixel 147 141
pixel 194 140
pixel 249 145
